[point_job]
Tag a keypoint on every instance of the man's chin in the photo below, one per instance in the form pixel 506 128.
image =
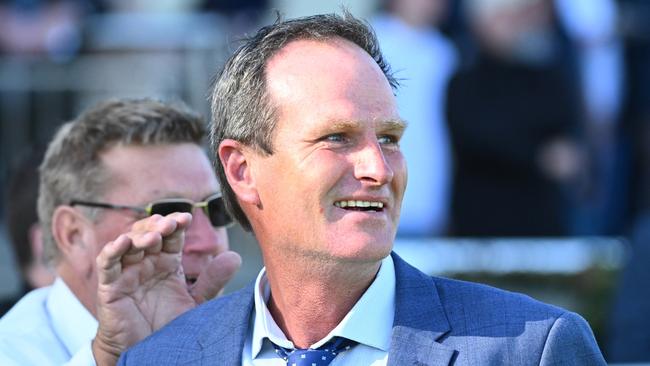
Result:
pixel 363 249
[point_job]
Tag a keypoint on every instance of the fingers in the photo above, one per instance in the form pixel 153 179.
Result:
pixel 215 275
pixel 122 252
pixel 147 236
pixel 149 242
pixel 109 260
pixel 157 233
pixel 171 228
pixel 175 238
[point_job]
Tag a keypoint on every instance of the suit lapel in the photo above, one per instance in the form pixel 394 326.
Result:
pixel 420 323
pixel 420 320
pixel 222 339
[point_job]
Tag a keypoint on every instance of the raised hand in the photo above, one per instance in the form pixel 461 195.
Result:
pixel 142 286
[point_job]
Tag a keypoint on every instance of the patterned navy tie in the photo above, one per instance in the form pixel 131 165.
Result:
pixel 321 356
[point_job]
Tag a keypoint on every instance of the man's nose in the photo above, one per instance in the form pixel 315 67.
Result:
pixel 371 164
pixel 201 237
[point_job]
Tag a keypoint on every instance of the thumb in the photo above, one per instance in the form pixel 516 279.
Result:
pixel 214 276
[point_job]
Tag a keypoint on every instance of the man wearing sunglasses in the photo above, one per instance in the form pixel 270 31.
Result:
pixel 123 175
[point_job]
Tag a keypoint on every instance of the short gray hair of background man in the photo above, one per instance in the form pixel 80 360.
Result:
pixel 72 168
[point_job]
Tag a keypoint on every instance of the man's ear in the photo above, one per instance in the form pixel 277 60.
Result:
pixel 235 160
pixel 68 227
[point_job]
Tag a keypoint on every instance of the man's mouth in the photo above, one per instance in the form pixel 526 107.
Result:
pixel 357 205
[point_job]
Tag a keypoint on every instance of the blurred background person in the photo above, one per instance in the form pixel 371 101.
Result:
pixel 594 52
pixel 635 30
pixel 50 29
pixel 135 49
pixel 115 164
pixel 628 335
pixel 24 230
pixel 423 60
pixel 513 125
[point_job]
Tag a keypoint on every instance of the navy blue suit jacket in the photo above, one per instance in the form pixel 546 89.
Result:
pixel 437 322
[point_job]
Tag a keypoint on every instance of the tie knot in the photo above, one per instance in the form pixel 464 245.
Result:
pixel 321 356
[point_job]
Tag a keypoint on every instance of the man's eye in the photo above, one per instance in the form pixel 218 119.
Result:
pixel 335 137
pixel 388 140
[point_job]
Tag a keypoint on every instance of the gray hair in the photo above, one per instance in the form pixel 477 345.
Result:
pixel 72 167
pixel 241 107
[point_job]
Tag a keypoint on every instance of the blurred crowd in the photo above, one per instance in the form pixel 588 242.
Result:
pixel 527 118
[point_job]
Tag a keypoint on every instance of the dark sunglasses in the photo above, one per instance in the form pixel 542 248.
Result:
pixel 213 206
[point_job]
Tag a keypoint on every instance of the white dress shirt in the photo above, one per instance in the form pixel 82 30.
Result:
pixel 48 326
pixel 369 323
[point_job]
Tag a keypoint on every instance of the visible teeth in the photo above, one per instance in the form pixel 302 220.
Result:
pixel 352 203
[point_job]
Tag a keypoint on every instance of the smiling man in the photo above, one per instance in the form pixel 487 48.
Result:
pixel 307 132
pixel 103 173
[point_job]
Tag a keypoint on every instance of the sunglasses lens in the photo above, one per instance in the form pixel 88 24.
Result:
pixel 217 212
pixel 165 208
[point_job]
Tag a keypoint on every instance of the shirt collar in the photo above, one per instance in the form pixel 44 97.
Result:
pixel 72 322
pixel 369 322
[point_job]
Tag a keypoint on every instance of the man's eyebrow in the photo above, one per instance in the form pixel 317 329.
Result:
pixel 343 125
pixel 392 124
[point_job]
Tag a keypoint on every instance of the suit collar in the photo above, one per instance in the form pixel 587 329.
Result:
pixel 222 338
pixel 419 325
pixel 420 320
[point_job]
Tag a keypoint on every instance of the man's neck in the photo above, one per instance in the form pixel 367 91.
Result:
pixel 307 302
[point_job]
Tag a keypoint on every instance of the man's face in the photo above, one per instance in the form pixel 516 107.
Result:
pixel 335 149
pixel 139 175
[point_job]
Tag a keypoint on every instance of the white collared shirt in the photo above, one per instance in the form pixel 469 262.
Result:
pixel 369 322
pixel 48 326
